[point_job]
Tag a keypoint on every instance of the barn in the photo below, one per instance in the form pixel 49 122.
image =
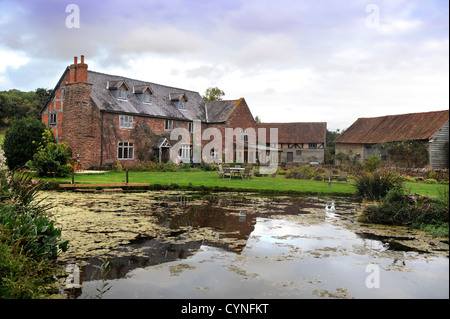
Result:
pixel 366 137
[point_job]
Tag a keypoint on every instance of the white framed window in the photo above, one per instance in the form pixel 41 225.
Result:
pixel 125 151
pixel 126 121
pixel 168 125
pixel 312 145
pixel 185 152
pixel 191 127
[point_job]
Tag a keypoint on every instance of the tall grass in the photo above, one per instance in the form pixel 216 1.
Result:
pixel 29 241
pixel 375 185
pixel 23 219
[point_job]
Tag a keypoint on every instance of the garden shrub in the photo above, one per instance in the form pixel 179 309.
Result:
pixel 297 175
pixel 51 158
pixel 32 230
pixel 430 181
pixel 303 172
pixel 433 175
pixel 372 163
pixel 23 220
pixel 397 208
pixel 21 276
pixel 376 185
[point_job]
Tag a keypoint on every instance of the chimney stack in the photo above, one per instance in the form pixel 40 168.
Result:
pixel 78 71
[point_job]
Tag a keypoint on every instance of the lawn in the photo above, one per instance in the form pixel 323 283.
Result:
pixel 210 179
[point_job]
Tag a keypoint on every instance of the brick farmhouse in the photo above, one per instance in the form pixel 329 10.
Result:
pixel 107 118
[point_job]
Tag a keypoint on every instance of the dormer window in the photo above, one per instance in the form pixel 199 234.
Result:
pixel 122 93
pixel 179 100
pixel 181 105
pixel 144 93
pixel 118 89
pixel 146 97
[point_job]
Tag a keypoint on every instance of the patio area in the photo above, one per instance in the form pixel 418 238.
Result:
pixel 228 171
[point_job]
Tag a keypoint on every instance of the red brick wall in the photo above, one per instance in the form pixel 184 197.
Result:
pixel 81 124
pixel 145 132
pixel 242 117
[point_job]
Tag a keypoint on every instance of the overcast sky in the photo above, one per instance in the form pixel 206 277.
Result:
pixel 292 60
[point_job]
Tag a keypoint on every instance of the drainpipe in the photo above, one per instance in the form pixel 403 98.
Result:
pixel 101 139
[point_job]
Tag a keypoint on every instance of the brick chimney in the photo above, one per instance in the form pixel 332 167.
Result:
pixel 78 71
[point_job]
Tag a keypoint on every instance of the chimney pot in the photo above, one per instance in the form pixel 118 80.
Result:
pixel 82 59
pixel 75 60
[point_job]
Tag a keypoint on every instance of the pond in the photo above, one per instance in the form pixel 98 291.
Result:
pixel 189 245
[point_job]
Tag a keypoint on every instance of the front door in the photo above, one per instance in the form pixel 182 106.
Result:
pixel 165 154
pixel 290 157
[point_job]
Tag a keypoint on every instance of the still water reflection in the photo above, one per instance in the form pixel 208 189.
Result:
pixel 252 247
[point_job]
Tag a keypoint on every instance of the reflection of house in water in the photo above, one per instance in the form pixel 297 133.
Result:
pixel 221 222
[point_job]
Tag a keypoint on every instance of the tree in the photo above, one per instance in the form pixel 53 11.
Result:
pixel 257 119
pixel 51 158
pixel 22 139
pixel 213 94
pixel 18 104
pixel 331 136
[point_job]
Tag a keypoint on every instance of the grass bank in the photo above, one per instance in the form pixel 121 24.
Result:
pixel 399 209
pixel 209 180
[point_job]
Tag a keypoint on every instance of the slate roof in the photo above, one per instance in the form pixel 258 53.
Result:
pixel 219 111
pixel 392 128
pixel 300 132
pixel 161 105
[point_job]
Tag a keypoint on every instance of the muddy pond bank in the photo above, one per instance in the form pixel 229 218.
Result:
pixel 177 245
